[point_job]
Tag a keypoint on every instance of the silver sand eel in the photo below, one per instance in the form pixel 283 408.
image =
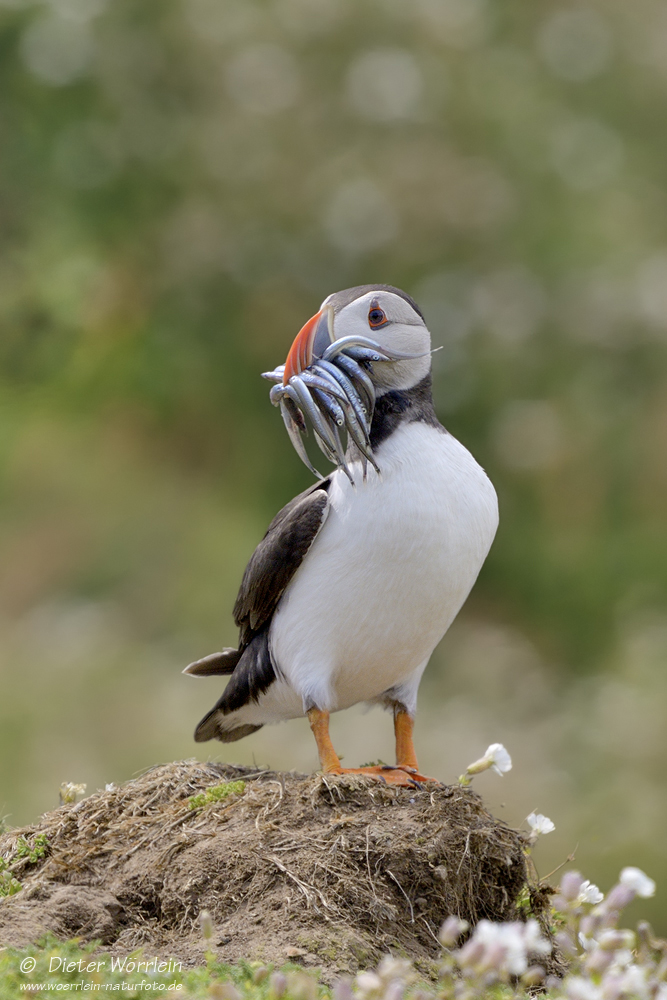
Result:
pixel 326 383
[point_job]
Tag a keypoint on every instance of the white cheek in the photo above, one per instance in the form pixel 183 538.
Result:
pixel 403 338
pixel 406 340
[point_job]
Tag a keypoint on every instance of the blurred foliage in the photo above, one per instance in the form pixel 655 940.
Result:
pixel 181 183
pixel 71 966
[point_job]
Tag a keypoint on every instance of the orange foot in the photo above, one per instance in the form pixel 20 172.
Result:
pixel 391 774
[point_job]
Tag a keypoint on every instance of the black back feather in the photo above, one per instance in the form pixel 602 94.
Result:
pixel 277 558
pixel 267 575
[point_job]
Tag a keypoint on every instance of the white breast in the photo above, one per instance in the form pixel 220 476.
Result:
pixel 388 572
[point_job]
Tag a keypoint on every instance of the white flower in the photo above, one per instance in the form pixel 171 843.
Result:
pixel 622 959
pixel 535 943
pixel 496 757
pixel 540 824
pixel 578 988
pixel 503 948
pixel 589 893
pixel 70 792
pixel 638 881
pixel 391 969
pixel 368 983
pixel 451 930
pixel 631 983
pixel 586 943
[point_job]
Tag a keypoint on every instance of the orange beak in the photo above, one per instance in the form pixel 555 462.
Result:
pixel 311 341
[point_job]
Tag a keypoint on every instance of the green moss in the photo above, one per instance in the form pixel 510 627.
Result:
pixel 32 852
pixel 216 793
pixel 362 955
pixel 330 953
pixel 428 969
pixel 9 885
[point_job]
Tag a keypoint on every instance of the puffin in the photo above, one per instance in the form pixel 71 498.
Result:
pixel 359 577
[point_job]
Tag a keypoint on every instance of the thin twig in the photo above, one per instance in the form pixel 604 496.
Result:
pixel 305 888
pixel 465 853
pixel 412 912
pixel 430 930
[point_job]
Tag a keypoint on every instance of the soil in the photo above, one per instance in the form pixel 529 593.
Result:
pixel 330 872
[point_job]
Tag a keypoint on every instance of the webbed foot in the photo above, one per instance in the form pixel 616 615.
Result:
pixel 391 774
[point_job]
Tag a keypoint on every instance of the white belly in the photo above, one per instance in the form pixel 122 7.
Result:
pixel 388 572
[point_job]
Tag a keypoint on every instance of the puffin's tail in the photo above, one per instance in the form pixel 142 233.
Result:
pixel 215 663
pixel 252 674
pixel 216 726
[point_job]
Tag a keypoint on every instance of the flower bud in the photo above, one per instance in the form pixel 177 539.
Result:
pixel 612 939
pixel 302 986
pixel 598 961
pixel 661 971
pixel 588 925
pixel 206 924
pixel 451 931
pixel 570 886
pixel 342 990
pixel 565 944
pixel 394 991
pixel 494 958
pixel 645 935
pixel 620 897
pixel 638 881
pixel 278 986
pixel 471 954
pixel 533 976
pixel 227 991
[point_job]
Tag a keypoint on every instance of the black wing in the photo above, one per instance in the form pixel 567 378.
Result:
pixel 277 558
pixel 267 575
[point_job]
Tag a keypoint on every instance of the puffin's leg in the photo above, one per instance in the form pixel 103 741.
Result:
pixel 405 748
pixel 406 757
pixel 330 762
pixel 319 723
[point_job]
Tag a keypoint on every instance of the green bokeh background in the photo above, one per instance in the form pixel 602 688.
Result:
pixel 181 183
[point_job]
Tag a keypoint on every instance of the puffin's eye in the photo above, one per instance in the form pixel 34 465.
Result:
pixel 376 317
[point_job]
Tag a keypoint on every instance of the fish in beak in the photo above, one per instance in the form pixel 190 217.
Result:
pixel 326 383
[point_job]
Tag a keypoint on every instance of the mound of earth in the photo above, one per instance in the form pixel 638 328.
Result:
pixel 328 871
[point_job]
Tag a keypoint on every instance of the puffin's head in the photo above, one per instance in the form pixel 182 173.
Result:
pixel 381 313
